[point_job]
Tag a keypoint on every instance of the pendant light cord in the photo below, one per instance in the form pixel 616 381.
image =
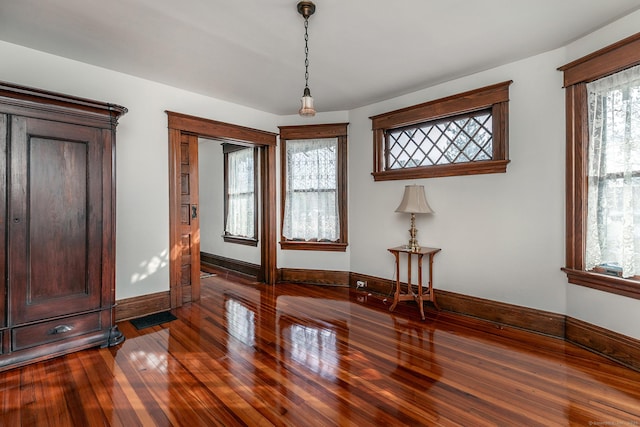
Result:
pixel 306 52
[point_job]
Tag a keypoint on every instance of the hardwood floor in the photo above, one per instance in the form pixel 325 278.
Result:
pixel 294 355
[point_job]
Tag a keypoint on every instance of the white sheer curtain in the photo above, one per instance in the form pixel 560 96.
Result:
pixel 311 205
pixel 613 206
pixel 240 193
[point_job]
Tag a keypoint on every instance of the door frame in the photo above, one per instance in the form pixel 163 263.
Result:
pixel 180 124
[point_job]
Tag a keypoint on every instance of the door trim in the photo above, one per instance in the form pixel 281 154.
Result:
pixel 180 124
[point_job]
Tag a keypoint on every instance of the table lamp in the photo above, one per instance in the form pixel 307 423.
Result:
pixel 414 202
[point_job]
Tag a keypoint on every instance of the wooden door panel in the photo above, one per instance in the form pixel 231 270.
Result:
pixel 189 219
pixel 55 232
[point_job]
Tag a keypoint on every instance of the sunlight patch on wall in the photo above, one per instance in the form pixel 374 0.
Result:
pixel 151 266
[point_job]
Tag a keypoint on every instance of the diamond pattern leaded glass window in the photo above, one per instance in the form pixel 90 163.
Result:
pixel 462 134
pixel 461 139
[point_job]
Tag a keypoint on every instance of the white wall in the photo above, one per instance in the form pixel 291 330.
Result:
pixel 502 235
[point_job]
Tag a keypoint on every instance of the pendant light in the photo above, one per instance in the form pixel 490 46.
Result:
pixel 306 9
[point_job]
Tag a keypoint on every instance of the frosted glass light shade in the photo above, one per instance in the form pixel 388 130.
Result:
pixel 307 104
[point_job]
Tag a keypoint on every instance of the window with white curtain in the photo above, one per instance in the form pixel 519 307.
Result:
pixel 602 168
pixel 613 196
pixel 240 194
pixel 311 205
pixel 313 187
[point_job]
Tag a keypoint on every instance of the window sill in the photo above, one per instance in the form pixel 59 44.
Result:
pixel 247 241
pixel 313 246
pixel 471 168
pixel 603 282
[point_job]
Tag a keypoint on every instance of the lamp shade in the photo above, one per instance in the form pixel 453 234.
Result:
pixel 414 200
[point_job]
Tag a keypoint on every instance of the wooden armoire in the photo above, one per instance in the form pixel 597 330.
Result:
pixel 57 224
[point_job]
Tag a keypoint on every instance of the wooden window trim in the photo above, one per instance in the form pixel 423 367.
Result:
pixel 609 60
pixel 495 97
pixel 227 237
pixel 333 130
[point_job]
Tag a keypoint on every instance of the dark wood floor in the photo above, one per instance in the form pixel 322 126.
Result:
pixel 254 355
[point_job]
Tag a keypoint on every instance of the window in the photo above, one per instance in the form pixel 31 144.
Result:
pixel 603 169
pixel 459 135
pixel 313 196
pixel 240 203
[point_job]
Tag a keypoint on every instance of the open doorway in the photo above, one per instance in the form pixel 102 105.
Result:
pixel 229 196
pixel 184 232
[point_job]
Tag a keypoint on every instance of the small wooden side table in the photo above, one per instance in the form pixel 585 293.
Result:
pixel 420 297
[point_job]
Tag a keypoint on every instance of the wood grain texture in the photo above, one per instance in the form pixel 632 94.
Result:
pixel 129 308
pixel 302 355
pixel 213 261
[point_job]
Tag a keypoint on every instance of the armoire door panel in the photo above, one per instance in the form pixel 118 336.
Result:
pixel 3 222
pixel 55 234
pixel 57 203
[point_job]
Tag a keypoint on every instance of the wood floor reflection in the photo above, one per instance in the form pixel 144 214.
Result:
pixel 292 355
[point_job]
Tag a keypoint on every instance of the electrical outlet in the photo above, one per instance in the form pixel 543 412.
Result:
pixel 361 284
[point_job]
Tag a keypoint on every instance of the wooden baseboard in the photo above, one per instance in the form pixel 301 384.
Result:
pixel 130 308
pixel 243 267
pixel 610 344
pixel 374 284
pixel 618 347
pixel 318 277
pixel 539 321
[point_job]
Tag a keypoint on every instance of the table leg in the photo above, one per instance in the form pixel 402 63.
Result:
pixel 396 296
pixel 420 300
pixel 432 296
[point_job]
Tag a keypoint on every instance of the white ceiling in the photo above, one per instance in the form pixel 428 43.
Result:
pixel 251 52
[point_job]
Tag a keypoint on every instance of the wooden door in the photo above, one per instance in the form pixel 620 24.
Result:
pixel 54 219
pixel 189 221
pixel 183 128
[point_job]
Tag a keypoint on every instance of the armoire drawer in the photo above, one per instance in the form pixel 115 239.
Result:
pixel 55 330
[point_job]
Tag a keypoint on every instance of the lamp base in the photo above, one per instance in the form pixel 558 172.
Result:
pixel 413 245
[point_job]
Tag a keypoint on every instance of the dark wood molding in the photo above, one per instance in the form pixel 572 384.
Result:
pixel 438 171
pixel 219 130
pixel 375 284
pixel 240 240
pixel 313 246
pixel 130 308
pixel 539 321
pixel 615 285
pixel 211 260
pixel 330 130
pixel 39 103
pixel 615 346
pixel 608 60
pixel 460 103
pixel 322 277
